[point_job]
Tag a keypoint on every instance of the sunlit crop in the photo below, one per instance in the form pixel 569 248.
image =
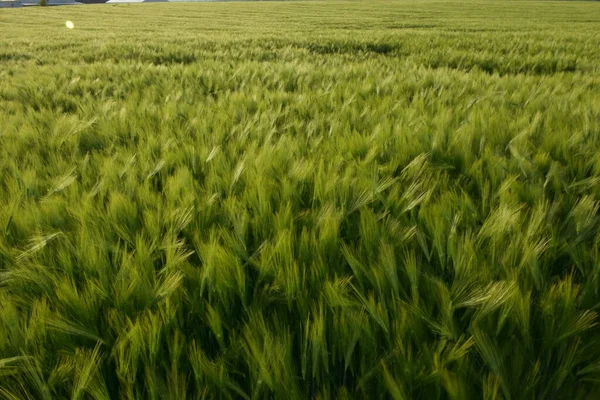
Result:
pixel 362 199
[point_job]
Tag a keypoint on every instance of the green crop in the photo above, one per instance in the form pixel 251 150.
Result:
pixel 382 199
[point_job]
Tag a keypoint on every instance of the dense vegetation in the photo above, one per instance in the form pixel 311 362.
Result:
pixel 384 199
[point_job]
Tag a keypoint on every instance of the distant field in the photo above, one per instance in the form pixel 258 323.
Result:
pixel 356 199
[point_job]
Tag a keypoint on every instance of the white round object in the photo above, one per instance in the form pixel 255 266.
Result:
pixel 70 25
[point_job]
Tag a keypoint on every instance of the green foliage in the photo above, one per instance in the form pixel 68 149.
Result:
pixel 387 199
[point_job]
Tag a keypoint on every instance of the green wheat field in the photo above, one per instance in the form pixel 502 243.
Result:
pixel 300 200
